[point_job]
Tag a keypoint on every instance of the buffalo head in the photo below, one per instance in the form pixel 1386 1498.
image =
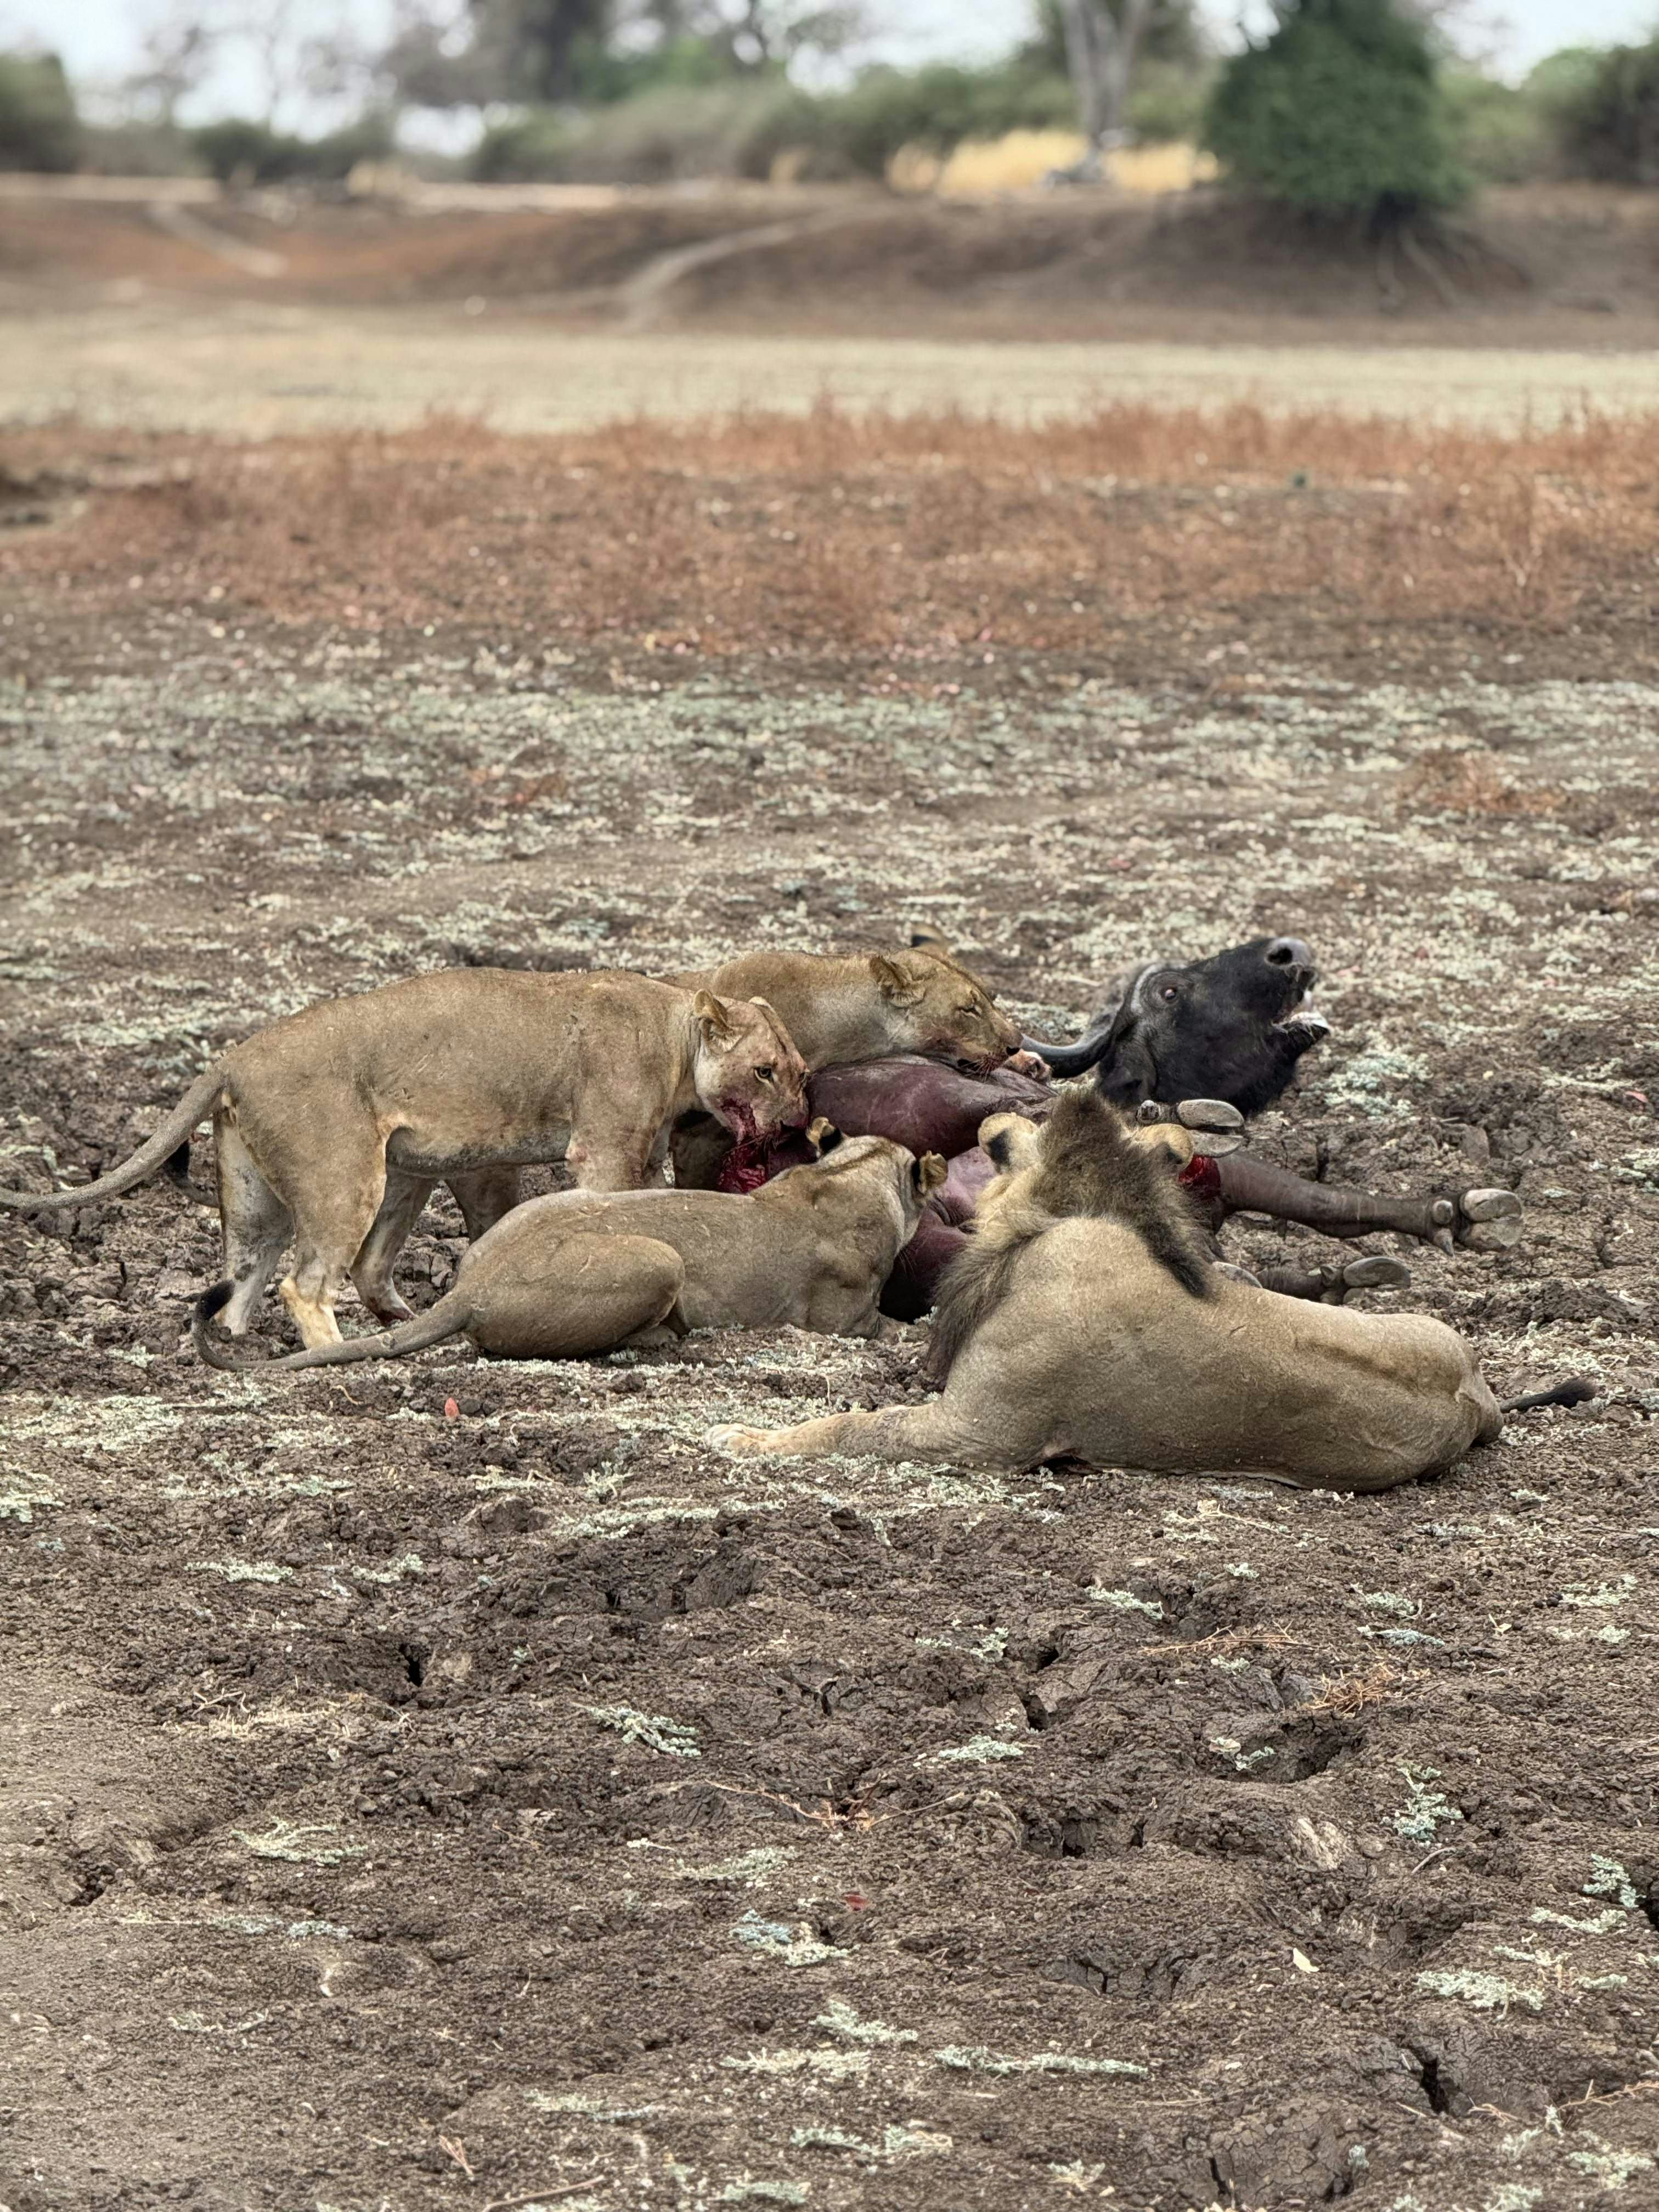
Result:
pixel 1233 1027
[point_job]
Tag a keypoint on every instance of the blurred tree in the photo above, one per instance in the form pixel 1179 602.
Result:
pixel 176 50
pixel 489 51
pixel 550 52
pixel 1339 113
pixel 1605 107
pixel 758 34
pixel 1103 40
pixel 1173 33
pixel 40 127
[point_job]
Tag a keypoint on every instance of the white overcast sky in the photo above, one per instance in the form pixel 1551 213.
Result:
pixel 99 39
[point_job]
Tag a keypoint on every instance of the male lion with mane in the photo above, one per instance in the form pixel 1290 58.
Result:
pixel 1085 1320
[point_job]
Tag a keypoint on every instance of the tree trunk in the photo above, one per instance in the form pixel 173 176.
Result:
pixel 1101 47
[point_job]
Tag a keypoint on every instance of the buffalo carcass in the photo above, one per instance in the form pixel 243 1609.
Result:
pixel 1229 1029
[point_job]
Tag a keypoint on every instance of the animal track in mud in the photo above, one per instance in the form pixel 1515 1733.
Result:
pixel 1293 1749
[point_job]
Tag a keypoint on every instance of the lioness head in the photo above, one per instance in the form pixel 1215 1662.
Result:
pixel 934 1006
pixel 841 1160
pixel 747 1072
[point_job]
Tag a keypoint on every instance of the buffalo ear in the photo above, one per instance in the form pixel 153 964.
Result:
pixel 714 1017
pixel 927 1173
pixel 895 986
pixel 824 1136
pixel 929 940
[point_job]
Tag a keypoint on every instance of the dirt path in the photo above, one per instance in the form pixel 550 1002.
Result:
pixel 253 371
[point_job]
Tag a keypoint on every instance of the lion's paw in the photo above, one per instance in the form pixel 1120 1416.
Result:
pixel 733 1437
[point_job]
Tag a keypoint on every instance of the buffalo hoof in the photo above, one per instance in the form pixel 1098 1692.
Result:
pixel 1212 1123
pixel 1196 1114
pixel 1478 1221
pixel 1489 1221
pixel 1235 1273
pixel 1375 1271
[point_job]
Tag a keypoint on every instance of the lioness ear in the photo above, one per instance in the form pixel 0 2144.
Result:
pixel 901 990
pixel 824 1136
pixel 715 1018
pixel 928 1173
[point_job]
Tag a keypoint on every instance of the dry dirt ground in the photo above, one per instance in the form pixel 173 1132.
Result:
pixel 532 1807
pixel 249 370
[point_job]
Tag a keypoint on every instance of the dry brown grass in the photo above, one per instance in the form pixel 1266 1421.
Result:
pixel 1348 1696
pixel 1453 779
pixel 910 540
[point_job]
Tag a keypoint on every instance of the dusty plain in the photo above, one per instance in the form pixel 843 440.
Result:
pixel 531 1806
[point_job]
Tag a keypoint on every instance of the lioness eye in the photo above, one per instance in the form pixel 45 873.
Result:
pixel 766 1073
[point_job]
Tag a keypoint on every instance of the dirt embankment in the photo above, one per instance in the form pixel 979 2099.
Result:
pixel 1537 265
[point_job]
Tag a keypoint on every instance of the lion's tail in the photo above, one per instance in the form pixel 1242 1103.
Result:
pixel 155 1154
pixel 1576 1390
pixel 447 1318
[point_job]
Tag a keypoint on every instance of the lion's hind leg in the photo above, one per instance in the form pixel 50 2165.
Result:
pixel 485 1196
pixel 371 1271
pixel 585 1297
pixel 256 1224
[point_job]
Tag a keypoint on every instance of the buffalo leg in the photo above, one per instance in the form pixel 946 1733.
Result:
pixel 1486 1220
pixel 1331 1283
pixel 1247 1186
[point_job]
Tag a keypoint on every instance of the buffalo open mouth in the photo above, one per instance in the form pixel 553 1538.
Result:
pixel 1302 1013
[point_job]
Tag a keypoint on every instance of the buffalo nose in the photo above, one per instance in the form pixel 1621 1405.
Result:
pixel 1290 952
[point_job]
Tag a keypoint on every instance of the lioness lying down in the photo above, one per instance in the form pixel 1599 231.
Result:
pixel 1085 1319
pixel 577 1274
pixel 333 1126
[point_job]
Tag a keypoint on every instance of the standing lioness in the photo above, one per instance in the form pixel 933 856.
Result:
pixel 333 1126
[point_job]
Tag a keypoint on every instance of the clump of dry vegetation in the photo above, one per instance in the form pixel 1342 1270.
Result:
pixel 1457 779
pixel 910 539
